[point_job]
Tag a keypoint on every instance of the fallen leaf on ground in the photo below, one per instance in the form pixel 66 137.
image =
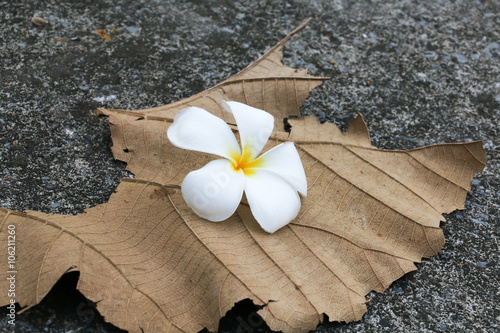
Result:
pixel 152 265
pixel 103 34
pixel 39 22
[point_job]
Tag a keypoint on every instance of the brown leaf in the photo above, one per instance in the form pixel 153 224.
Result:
pixel 152 265
pixel 266 84
pixel 39 22
pixel 103 34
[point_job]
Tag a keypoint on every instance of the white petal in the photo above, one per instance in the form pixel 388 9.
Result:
pixel 214 191
pixel 254 125
pixel 284 160
pixel 196 129
pixel 273 201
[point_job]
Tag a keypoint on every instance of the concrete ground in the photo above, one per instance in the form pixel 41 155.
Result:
pixel 420 72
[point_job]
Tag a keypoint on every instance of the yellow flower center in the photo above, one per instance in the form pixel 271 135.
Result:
pixel 245 163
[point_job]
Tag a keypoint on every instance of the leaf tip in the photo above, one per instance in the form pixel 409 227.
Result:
pixel 99 112
pixel 359 131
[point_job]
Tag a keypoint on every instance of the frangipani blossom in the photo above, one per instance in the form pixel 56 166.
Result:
pixel 270 181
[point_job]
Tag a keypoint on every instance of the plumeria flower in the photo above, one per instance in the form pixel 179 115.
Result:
pixel 270 181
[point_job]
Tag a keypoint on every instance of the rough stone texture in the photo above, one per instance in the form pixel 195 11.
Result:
pixel 420 73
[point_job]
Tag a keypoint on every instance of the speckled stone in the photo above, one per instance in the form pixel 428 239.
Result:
pixel 420 72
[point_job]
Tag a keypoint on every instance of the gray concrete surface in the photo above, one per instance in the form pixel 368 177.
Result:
pixel 433 68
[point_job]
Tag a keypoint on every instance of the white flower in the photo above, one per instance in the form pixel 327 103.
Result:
pixel 270 181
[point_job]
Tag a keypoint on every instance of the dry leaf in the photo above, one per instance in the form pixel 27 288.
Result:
pixel 152 265
pixel 266 84
pixel 103 34
pixel 39 22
